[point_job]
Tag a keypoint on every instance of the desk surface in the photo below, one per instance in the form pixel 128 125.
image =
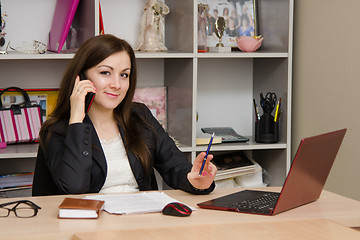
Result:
pixel 315 229
pixel 46 225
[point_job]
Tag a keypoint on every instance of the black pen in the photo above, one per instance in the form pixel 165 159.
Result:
pixel 257 116
pixel 207 153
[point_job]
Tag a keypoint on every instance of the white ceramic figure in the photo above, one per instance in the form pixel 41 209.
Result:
pixel 151 36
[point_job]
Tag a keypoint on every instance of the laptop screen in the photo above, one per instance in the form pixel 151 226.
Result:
pixel 309 170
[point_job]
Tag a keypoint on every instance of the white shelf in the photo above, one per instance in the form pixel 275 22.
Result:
pixel 186 149
pixel 176 55
pixel 244 55
pixel 148 55
pixel 24 150
pixel 23 56
pixel 234 54
pixel 250 145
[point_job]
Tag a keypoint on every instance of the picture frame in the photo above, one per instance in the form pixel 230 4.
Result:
pixel 155 98
pixel 240 20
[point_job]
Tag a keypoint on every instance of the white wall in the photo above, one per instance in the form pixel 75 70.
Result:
pixel 326 83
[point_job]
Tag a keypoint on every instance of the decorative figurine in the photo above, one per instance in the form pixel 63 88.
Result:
pixel 3 48
pixel 151 37
pixel 203 11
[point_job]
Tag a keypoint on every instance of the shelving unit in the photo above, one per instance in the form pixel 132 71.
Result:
pixel 218 87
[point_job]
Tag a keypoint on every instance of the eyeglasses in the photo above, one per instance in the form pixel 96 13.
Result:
pixel 22 209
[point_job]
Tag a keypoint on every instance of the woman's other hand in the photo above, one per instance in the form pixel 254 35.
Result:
pixel 208 174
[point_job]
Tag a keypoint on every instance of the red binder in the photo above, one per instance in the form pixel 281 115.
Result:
pixel 101 21
pixel 64 14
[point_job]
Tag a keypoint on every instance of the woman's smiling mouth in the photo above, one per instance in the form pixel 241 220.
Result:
pixel 112 94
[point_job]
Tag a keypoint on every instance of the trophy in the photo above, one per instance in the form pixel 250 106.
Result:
pixel 219 30
pixel 220 27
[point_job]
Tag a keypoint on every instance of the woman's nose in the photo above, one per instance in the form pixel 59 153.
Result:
pixel 115 82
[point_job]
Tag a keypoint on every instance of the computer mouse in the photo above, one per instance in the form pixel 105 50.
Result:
pixel 177 209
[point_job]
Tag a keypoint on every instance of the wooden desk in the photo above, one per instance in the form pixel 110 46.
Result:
pixel 46 225
pixel 315 229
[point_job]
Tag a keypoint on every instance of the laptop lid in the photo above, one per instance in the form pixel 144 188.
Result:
pixel 304 183
pixel 309 170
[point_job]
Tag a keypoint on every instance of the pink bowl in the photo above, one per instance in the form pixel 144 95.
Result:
pixel 248 44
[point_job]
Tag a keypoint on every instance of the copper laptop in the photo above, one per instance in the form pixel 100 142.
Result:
pixel 304 183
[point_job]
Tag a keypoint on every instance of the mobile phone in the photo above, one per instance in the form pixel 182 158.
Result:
pixel 89 97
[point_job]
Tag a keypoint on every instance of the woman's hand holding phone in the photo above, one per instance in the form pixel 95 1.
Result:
pixel 77 99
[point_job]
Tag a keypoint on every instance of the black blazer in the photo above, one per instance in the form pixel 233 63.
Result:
pixel 73 162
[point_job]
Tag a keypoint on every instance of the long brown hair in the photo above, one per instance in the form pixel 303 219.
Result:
pixel 91 53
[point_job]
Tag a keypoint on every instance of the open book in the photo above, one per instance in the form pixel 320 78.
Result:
pixel 135 203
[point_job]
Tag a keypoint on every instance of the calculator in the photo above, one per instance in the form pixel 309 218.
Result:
pixel 227 134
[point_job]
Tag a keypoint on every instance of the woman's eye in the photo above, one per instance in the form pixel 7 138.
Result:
pixel 105 73
pixel 124 75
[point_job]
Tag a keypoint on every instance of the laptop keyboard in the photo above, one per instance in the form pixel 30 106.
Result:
pixel 266 201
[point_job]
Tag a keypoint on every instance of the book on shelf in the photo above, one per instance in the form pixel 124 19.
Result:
pixel 16 181
pixel 80 208
pixel 204 139
pixel 231 165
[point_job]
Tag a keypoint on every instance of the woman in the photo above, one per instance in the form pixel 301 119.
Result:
pixel 118 143
pixel 246 29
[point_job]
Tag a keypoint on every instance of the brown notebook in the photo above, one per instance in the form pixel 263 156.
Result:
pixel 80 208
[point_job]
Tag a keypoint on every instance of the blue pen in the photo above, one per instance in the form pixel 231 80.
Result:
pixel 207 153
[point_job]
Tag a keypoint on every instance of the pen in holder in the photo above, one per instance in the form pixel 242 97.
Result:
pixel 267 126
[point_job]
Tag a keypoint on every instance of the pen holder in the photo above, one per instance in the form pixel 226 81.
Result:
pixel 267 130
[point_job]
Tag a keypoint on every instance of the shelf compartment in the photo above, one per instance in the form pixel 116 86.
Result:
pixel 33 74
pixel 18 29
pixel 178 23
pixel 224 94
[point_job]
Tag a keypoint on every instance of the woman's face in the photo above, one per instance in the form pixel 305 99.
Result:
pixel 111 78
